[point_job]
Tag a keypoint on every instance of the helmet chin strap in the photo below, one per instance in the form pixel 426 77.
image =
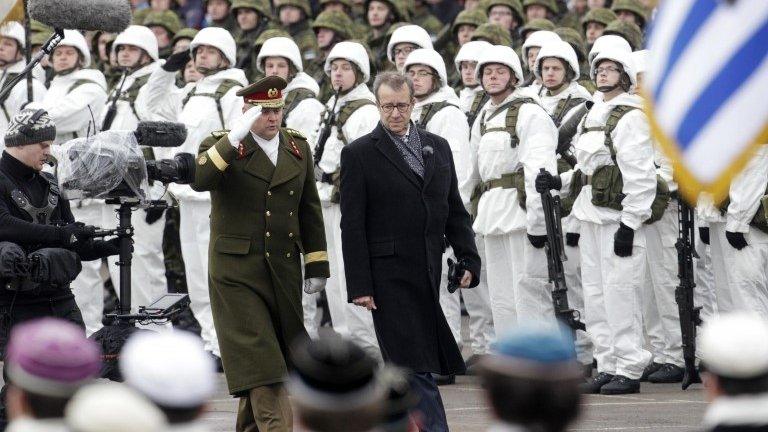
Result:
pixel 66 71
pixel 606 89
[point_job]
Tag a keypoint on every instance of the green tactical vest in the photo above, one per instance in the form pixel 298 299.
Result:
pixel 132 93
pixel 429 111
pixel 293 99
pixel 511 180
pixel 221 90
pixel 345 113
pixel 607 182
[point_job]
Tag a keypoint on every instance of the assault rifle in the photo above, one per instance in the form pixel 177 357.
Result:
pixel 112 110
pixel 555 257
pixel 689 313
pixel 325 132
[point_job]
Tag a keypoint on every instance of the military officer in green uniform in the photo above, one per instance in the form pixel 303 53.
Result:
pixel 265 221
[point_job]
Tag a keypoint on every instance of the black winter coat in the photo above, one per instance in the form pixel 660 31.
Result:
pixel 393 230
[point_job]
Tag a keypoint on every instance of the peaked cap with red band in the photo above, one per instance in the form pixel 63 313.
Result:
pixel 266 92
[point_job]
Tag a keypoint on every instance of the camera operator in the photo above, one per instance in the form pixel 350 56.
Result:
pixel 36 219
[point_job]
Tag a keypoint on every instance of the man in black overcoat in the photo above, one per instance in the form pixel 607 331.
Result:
pixel 399 205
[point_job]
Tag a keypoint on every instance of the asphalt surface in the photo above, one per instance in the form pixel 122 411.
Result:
pixel 658 407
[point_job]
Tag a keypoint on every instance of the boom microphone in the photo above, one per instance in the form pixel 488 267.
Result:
pixel 111 16
pixel 160 134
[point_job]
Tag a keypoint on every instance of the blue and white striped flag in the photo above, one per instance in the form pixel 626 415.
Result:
pixel 707 88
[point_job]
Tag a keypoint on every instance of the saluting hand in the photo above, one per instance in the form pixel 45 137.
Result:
pixel 366 302
pixel 242 125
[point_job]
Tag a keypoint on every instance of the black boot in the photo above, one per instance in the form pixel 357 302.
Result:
pixel 621 385
pixel 587 370
pixel 668 373
pixel 593 385
pixel 444 379
pixel 649 370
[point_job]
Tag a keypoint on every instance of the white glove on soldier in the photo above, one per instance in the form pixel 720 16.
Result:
pixel 242 125
pixel 314 285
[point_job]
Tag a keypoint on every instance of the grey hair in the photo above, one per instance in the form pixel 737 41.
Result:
pixel 393 80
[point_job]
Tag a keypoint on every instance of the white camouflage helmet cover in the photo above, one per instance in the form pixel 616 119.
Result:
pixel 352 52
pixel 75 39
pixel 538 39
pixel 408 34
pixel 735 345
pixel 13 30
pixel 559 49
pixel 500 54
pixel 216 37
pixel 605 42
pixel 640 60
pixel 428 57
pixel 618 55
pixel 139 36
pixel 280 47
pixel 471 52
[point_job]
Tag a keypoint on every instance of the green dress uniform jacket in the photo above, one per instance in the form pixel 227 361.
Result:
pixel 263 217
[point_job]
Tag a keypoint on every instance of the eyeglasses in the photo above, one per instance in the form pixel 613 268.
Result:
pixel 401 107
pixel 420 74
pixel 404 50
pixel 606 70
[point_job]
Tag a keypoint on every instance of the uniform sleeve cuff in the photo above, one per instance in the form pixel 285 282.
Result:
pixel 317 269
pixel 221 154
pixel 733 225
pixel 631 221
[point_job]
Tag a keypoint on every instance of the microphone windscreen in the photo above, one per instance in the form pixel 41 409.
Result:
pixel 112 16
pixel 160 134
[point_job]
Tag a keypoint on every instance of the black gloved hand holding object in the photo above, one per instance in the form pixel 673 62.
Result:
pixel 622 241
pixel 546 181
pixel 75 234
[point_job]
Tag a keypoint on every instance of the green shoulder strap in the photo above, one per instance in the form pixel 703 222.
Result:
pixel 346 112
pixel 613 119
pixel 478 101
pixel 293 99
pixel 8 77
pixel 221 90
pixel 510 122
pixel 429 111
pixel 132 93
pixel 562 107
pixel 80 82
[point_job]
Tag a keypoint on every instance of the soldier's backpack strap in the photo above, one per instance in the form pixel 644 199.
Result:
pixel 429 111
pixel 8 77
pixel 79 83
pixel 613 119
pixel 221 90
pixel 565 105
pixel 346 112
pixel 293 99
pixel 132 93
pixel 510 121
pixel 478 102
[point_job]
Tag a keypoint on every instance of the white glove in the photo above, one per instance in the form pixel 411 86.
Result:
pixel 242 125
pixel 314 285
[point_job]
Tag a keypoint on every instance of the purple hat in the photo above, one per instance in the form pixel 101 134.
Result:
pixel 51 357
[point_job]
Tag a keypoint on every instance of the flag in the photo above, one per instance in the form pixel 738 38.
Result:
pixel 11 10
pixel 706 88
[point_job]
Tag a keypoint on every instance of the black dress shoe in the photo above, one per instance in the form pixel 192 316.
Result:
pixel 587 369
pixel 621 385
pixel 444 379
pixel 593 385
pixel 649 370
pixel 668 373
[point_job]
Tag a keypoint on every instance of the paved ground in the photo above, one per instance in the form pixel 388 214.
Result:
pixel 658 408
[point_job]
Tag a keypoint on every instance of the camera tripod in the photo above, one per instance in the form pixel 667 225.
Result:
pixel 162 309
